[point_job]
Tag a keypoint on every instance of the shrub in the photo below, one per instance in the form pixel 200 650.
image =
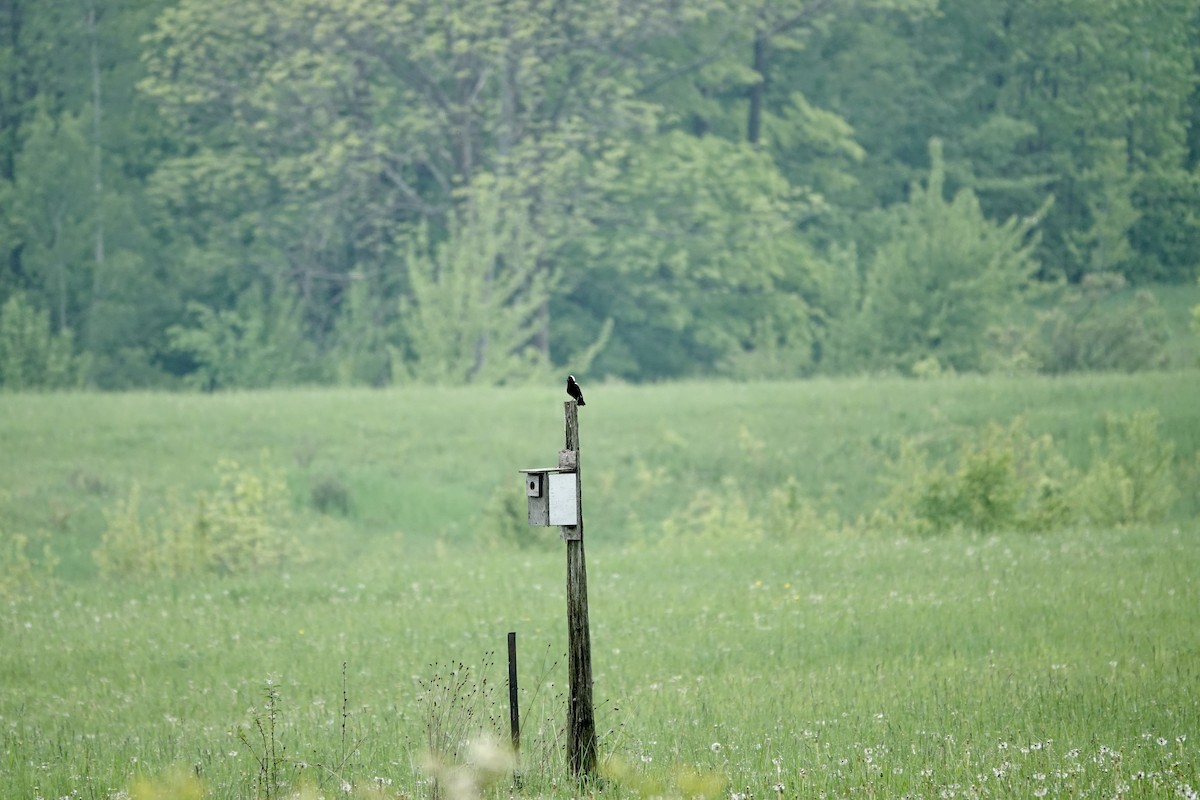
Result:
pixel 24 561
pixel 1001 479
pixel 714 518
pixel 1133 478
pixel 258 344
pixel 1005 479
pixel 126 548
pixel 943 274
pixel 31 355
pixel 1085 333
pixel 240 526
pixel 330 495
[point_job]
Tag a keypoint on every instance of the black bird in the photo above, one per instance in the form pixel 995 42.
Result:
pixel 574 390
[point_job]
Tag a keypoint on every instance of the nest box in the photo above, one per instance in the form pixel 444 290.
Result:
pixel 553 492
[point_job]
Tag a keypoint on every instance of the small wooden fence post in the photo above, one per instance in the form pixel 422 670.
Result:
pixel 514 708
pixel 581 718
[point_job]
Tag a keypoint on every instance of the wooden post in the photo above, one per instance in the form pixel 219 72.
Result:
pixel 514 709
pixel 581 718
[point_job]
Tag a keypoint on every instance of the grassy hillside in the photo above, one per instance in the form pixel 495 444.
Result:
pixel 426 462
pixel 841 662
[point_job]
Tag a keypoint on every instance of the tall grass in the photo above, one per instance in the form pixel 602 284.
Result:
pixel 814 664
pixel 424 463
pixel 835 662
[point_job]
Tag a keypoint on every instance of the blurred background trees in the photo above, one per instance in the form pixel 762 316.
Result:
pixel 213 194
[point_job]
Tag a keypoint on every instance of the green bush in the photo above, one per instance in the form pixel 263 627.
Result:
pixel 1132 479
pixel 714 518
pixel 1006 479
pixel 25 561
pixel 942 276
pixel 31 355
pixel 241 526
pixel 1002 478
pixel 258 344
pixel 1085 333
pixel 330 495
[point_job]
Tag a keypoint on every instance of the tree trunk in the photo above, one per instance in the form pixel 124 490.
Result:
pixel 88 331
pixel 758 90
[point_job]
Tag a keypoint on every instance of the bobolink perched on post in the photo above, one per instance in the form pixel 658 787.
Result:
pixel 574 390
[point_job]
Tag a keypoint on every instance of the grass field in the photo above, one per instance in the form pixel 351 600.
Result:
pixel 837 661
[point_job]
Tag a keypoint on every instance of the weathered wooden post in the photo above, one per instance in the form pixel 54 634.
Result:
pixel 514 707
pixel 555 498
pixel 581 718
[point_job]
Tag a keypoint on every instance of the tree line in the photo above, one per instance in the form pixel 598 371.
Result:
pixel 226 194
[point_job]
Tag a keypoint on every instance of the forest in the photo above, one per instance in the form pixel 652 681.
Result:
pixel 220 194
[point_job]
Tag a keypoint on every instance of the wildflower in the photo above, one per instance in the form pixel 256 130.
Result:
pixel 1040 791
pixel 715 747
pixel 1162 741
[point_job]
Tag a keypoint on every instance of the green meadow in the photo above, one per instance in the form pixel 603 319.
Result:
pixel 771 617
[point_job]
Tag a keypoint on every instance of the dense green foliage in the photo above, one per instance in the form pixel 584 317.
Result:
pixel 203 594
pixel 376 192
